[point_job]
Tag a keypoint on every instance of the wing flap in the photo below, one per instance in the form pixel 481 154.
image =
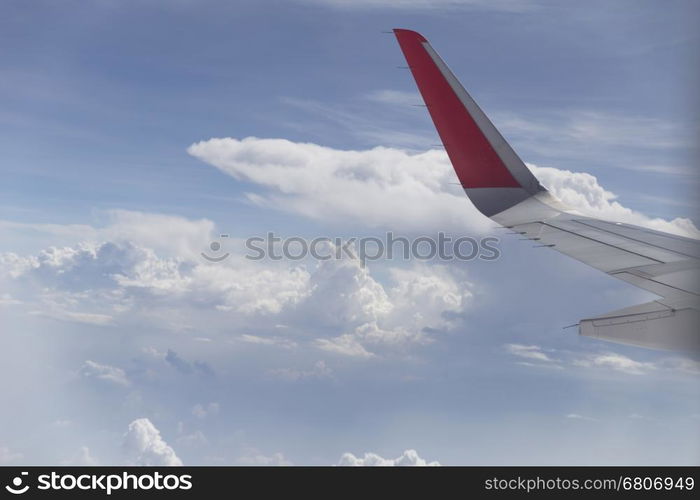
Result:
pixel 650 325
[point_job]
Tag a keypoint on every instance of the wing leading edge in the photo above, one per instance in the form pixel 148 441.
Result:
pixel 500 186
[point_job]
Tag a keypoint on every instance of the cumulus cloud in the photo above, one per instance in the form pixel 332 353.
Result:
pixel 390 188
pixel 583 192
pixel 394 318
pixel 335 305
pixel 380 187
pixel 144 445
pixel 407 458
pixel 119 280
pixel 111 374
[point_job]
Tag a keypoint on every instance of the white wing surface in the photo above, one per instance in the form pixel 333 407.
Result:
pixel 500 185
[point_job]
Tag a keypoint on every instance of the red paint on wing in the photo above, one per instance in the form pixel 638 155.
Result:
pixel 476 163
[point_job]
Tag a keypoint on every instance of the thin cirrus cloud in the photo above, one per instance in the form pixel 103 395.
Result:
pixel 107 373
pixel 580 127
pixel 634 142
pixel 537 356
pixel 643 144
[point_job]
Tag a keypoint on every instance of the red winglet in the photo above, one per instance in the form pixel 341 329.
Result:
pixel 473 157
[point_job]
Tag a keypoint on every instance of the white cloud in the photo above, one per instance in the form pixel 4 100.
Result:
pixel 254 457
pixel 616 362
pixel 346 344
pixel 582 192
pixel 167 235
pixel 319 371
pixel 363 298
pixel 92 369
pixel 395 318
pixel 120 280
pixel 532 352
pixel 76 317
pixel 407 458
pixel 270 341
pixel 390 188
pixel 603 360
pixel 144 445
pixel 337 302
pixel 425 293
pixel 402 98
pixel 379 187
pixel 576 416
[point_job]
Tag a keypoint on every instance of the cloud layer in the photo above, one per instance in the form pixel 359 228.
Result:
pixel 407 458
pixel 388 187
pixel 537 356
pixel 336 306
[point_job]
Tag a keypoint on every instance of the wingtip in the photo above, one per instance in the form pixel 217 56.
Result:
pixel 404 33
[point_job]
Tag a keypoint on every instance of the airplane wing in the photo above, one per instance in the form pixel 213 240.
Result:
pixel 500 186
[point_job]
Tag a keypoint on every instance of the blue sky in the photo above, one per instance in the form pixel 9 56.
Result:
pixel 110 317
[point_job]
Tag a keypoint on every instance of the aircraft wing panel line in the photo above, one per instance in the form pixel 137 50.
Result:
pixel 585 223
